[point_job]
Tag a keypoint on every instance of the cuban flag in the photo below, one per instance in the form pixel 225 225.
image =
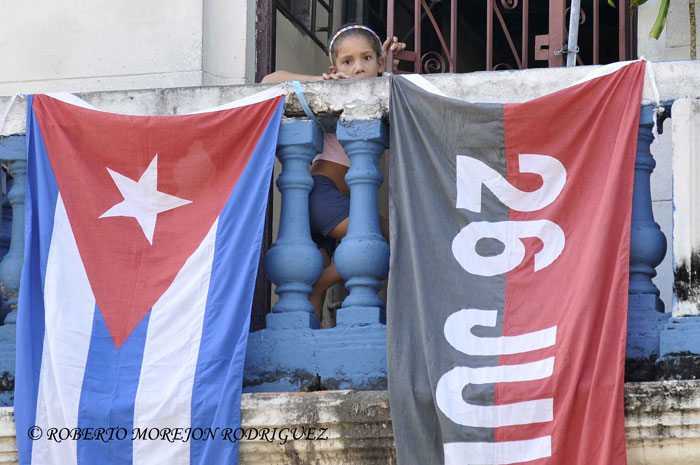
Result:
pixel 143 236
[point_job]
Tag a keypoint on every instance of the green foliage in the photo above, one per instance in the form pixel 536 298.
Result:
pixel 660 17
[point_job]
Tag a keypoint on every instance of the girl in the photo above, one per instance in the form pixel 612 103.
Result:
pixel 355 51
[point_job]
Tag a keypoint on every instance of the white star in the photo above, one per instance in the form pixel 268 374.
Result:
pixel 142 200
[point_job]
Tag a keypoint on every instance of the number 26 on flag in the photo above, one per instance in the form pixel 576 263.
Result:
pixel 471 175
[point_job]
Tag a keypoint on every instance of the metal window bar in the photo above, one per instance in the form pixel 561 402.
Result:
pixel 546 45
pixel 422 61
pixel 521 59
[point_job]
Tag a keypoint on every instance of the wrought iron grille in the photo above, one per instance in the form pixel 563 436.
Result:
pixel 432 61
pixel 615 42
pixel 506 34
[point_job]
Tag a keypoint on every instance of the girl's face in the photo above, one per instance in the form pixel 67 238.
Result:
pixel 356 58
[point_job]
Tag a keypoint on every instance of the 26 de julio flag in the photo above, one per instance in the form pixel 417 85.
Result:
pixel 142 244
pixel 510 228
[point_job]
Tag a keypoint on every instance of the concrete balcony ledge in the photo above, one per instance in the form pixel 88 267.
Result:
pixel 354 427
pixel 662 420
pixel 368 98
pixel 357 423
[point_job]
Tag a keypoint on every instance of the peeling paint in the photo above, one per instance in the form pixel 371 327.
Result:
pixel 686 281
pixel 679 366
pixel 7 381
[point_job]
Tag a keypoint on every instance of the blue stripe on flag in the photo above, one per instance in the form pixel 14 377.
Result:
pixel 108 393
pixel 40 202
pixel 218 380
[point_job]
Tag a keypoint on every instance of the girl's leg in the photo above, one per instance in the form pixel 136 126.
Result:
pixel 384 226
pixel 340 230
pixel 330 275
pixel 317 294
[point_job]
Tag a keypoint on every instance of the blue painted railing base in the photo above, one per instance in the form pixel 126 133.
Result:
pixel 292 320
pixel 646 302
pixel 358 316
pixel 643 328
pixel 8 343
pixel 680 336
pixel 288 360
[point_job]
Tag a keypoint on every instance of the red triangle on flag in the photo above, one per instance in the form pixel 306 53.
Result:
pixel 199 159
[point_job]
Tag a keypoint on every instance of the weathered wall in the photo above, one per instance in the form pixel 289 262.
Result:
pixel 674 42
pixel 662 422
pixel 295 52
pixel 228 42
pixel 48 46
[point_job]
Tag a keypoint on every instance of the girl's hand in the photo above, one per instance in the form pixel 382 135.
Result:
pixel 395 46
pixel 334 76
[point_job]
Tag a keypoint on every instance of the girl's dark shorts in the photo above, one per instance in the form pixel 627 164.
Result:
pixel 327 208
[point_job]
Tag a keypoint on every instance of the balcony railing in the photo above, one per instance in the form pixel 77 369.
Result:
pixel 292 352
pixel 294 264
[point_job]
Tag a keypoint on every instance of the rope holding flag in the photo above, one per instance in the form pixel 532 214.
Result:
pixel 304 104
pixel 659 110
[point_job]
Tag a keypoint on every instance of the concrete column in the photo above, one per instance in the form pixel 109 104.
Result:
pixel 293 262
pixel 647 250
pixel 686 216
pixel 12 153
pixel 680 339
pixel 362 258
pixel 228 42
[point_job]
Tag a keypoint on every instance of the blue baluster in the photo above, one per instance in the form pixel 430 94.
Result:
pixel 647 250
pixel 12 152
pixel 294 263
pixel 362 258
pixel 289 355
pixel 647 242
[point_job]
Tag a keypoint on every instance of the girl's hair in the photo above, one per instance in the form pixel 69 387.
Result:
pixel 350 30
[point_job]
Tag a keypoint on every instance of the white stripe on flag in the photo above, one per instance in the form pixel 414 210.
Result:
pixel 70 309
pixel 258 97
pixel 424 84
pixel 448 395
pixel 497 453
pixel 164 394
pixel 604 70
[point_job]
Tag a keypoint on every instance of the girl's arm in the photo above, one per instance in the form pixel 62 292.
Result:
pixel 284 76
